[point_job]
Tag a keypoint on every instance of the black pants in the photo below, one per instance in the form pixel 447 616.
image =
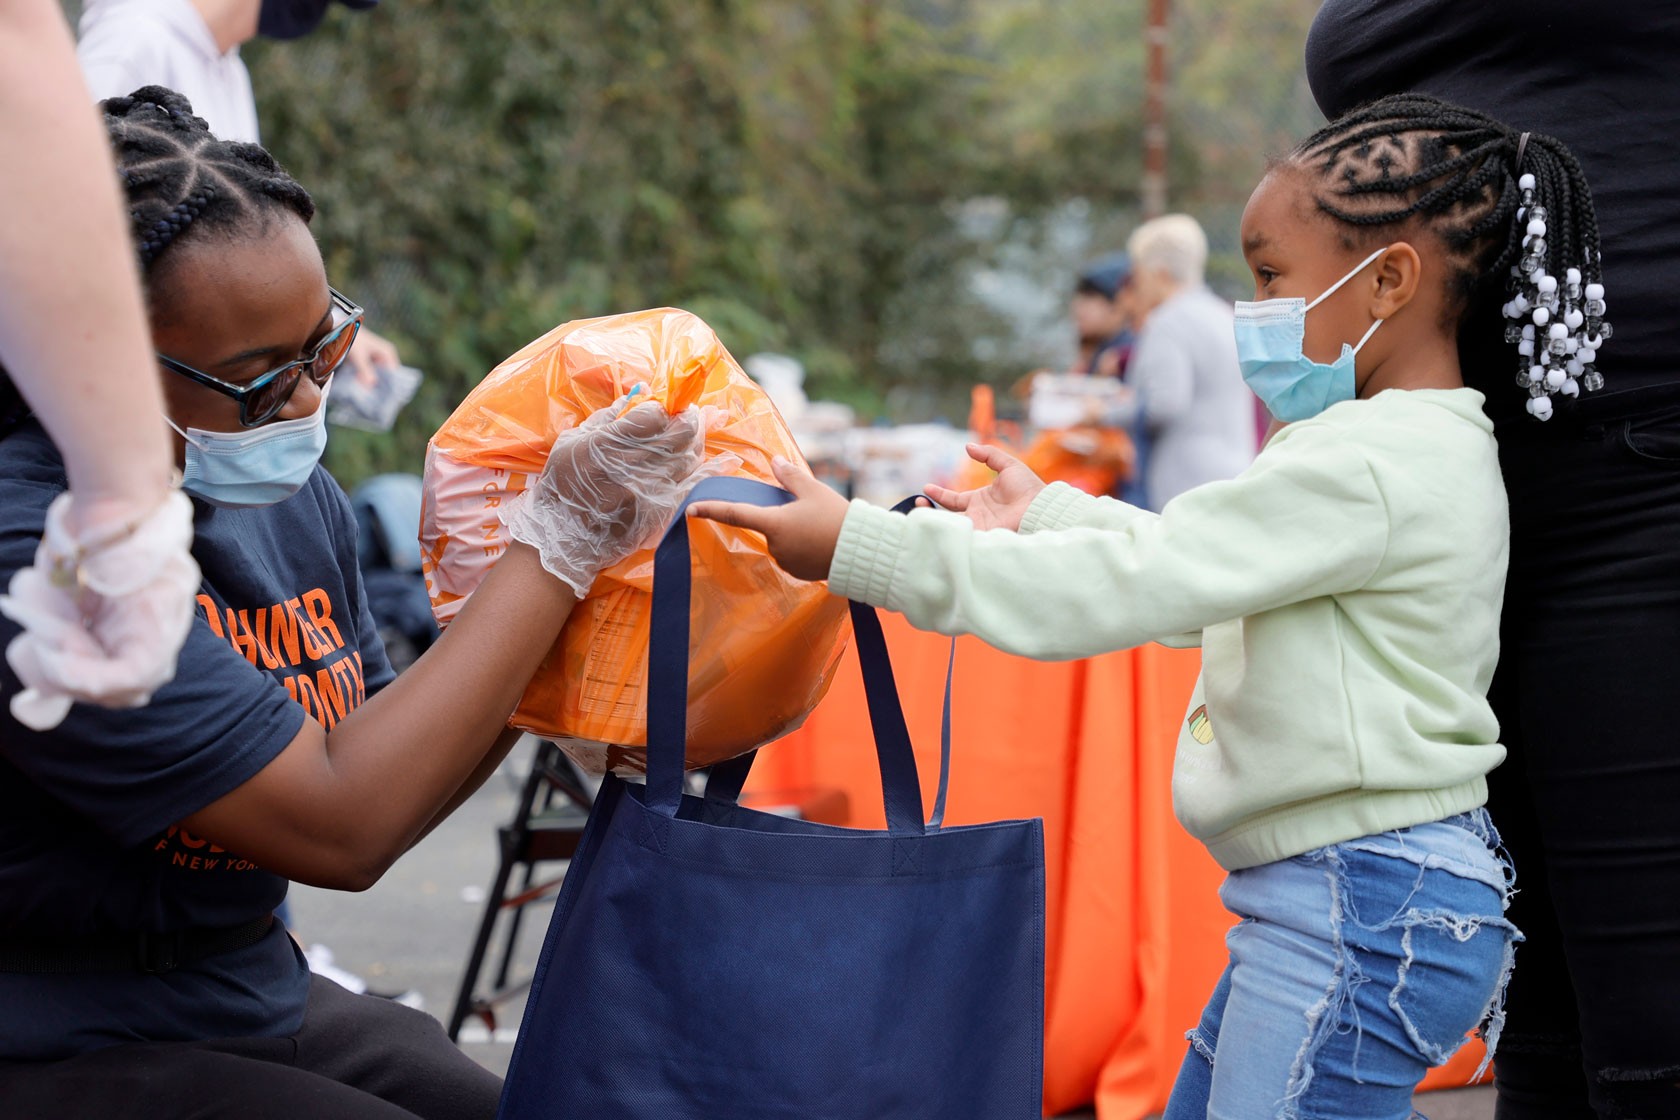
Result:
pixel 356 1058
pixel 1588 699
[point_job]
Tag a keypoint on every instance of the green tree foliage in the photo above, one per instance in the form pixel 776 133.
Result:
pixel 485 171
pixel 823 177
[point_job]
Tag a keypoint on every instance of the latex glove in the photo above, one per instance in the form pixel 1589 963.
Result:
pixel 1001 503
pixel 104 609
pixel 610 487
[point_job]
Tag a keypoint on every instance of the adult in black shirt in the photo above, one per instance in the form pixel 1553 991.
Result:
pixel 1591 638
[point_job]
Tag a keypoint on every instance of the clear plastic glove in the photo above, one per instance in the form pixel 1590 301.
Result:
pixel 104 609
pixel 610 486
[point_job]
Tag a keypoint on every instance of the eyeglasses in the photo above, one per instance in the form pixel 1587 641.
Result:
pixel 260 400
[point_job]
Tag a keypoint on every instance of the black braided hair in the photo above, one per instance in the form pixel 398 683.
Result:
pixel 177 177
pixel 1509 209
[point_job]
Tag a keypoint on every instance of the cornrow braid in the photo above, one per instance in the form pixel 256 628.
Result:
pixel 177 178
pixel 1510 208
pixel 167 227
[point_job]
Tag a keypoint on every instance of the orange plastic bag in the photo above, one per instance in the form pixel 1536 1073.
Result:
pixel 1094 460
pixel 763 646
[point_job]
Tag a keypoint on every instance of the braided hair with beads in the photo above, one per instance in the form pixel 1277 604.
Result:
pixel 179 181
pixel 1512 210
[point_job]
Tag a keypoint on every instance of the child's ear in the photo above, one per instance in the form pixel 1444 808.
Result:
pixel 1398 273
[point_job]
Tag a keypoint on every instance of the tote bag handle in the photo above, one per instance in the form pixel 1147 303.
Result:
pixel 667 694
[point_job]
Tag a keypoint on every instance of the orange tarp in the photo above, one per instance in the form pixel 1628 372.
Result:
pixel 1134 930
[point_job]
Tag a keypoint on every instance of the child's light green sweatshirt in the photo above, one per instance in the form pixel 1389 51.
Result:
pixel 1346 588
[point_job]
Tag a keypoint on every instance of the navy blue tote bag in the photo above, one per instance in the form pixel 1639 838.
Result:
pixel 711 962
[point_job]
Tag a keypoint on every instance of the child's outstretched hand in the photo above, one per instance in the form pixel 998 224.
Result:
pixel 1003 502
pixel 801 534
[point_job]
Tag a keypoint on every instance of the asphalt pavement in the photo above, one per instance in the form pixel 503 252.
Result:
pixel 412 931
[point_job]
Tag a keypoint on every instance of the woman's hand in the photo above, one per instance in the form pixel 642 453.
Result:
pixel 1000 504
pixel 609 485
pixel 802 534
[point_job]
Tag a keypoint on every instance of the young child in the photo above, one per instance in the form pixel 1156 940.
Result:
pixel 1346 591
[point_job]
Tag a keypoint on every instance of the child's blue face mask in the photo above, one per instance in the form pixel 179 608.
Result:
pixel 1270 335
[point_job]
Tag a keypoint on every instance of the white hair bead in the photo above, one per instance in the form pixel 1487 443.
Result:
pixel 1526 348
pixel 1526 183
pixel 1528 330
pixel 1573 275
pixel 1554 379
pixel 1540 408
pixel 1536 374
pixel 1536 227
pixel 1595 291
pixel 1546 284
pixel 1557 330
pixel 1571 388
pixel 1541 316
pixel 1574 318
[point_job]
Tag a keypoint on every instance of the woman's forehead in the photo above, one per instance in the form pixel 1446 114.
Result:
pixel 272 283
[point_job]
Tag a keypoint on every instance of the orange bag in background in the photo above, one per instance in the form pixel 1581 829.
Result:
pixel 763 646
pixel 1094 460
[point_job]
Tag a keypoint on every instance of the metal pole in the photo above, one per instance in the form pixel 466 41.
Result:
pixel 1155 112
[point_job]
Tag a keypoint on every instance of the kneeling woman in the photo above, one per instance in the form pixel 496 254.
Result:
pixel 142 853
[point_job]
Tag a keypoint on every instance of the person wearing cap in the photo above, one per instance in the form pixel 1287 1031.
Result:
pixel 192 47
pixel 1102 315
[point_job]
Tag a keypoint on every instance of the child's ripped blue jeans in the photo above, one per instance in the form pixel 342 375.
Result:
pixel 1355 968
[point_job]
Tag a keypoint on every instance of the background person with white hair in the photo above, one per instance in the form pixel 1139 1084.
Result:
pixel 1190 400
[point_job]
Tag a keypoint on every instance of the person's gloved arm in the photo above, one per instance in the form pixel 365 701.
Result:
pixel 74 341
pixel 335 808
pixel 609 486
pixel 73 332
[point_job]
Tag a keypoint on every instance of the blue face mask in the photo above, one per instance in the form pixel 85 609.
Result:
pixel 256 467
pixel 1270 334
